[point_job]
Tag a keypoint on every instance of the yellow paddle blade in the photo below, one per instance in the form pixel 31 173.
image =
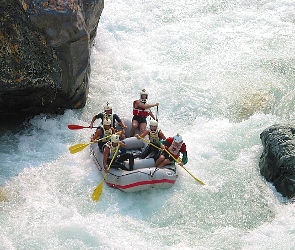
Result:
pixel 178 161
pixel 78 147
pixel 196 179
pixel 97 192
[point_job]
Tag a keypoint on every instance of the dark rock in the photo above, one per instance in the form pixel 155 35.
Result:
pixel 277 162
pixel 45 54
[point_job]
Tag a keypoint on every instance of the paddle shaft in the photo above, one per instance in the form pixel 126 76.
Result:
pixel 97 192
pixel 150 143
pixel 79 147
pixel 202 183
pixel 73 127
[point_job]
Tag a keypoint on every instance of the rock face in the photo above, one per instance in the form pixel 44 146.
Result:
pixel 45 54
pixel 277 162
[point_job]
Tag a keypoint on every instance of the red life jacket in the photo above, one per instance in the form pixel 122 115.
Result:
pixel 139 111
pixel 173 148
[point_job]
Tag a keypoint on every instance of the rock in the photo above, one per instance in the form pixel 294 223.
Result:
pixel 277 162
pixel 45 54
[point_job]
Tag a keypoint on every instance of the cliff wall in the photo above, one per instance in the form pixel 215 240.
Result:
pixel 45 54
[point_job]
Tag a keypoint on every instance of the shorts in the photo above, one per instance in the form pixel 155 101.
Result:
pixel 168 156
pixel 139 119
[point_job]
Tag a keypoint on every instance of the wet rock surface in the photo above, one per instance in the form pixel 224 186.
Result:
pixel 277 162
pixel 45 55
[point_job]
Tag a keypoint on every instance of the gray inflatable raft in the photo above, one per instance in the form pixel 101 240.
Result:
pixel 143 176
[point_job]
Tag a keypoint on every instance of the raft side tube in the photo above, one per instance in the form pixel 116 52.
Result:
pixel 133 142
pixel 142 179
pixel 141 163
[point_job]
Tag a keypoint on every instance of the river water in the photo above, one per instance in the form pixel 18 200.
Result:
pixel 222 71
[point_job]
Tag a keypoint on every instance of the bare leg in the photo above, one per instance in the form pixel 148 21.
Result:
pixel 142 127
pixel 160 160
pixel 122 134
pixel 96 135
pixel 134 126
pixel 164 163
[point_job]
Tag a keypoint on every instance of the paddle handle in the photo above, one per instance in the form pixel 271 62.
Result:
pixel 74 127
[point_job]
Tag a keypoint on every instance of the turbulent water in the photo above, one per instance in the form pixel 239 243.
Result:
pixel 222 71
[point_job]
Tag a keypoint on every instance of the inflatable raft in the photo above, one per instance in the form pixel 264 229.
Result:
pixel 143 176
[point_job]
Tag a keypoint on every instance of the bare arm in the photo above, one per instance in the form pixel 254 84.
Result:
pixel 142 135
pixel 152 115
pixel 92 121
pixel 162 136
pixel 123 145
pixel 123 124
pixel 105 157
pixel 145 106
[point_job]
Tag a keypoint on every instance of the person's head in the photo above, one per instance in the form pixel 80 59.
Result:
pixel 177 139
pixel 107 124
pixel 143 96
pixel 115 140
pixel 153 125
pixel 108 109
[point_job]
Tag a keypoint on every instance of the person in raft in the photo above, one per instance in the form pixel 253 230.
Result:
pixel 109 150
pixel 108 115
pixel 141 110
pixel 103 133
pixel 175 146
pixel 155 135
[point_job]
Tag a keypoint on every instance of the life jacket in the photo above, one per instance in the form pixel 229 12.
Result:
pixel 139 111
pixel 174 149
pixel 108 117
pixel 106 133
pixel 112 150
pixel 154 136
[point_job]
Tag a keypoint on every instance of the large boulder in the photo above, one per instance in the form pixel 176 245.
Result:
pixel 45 54
pixel 277 162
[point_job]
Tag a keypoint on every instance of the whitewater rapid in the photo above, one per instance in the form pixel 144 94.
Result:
pixel 222 72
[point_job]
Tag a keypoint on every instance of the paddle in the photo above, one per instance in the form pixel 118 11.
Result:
pixel 73 127
pixel 79 147
pixel 202 183
pixel 97 192
pixel 149 143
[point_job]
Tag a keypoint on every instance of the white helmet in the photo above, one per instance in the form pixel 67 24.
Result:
pixel 143 93
pixel 153 123
pixel 177 138
pixel 108 107
pixel 107 122
pixel 115 138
